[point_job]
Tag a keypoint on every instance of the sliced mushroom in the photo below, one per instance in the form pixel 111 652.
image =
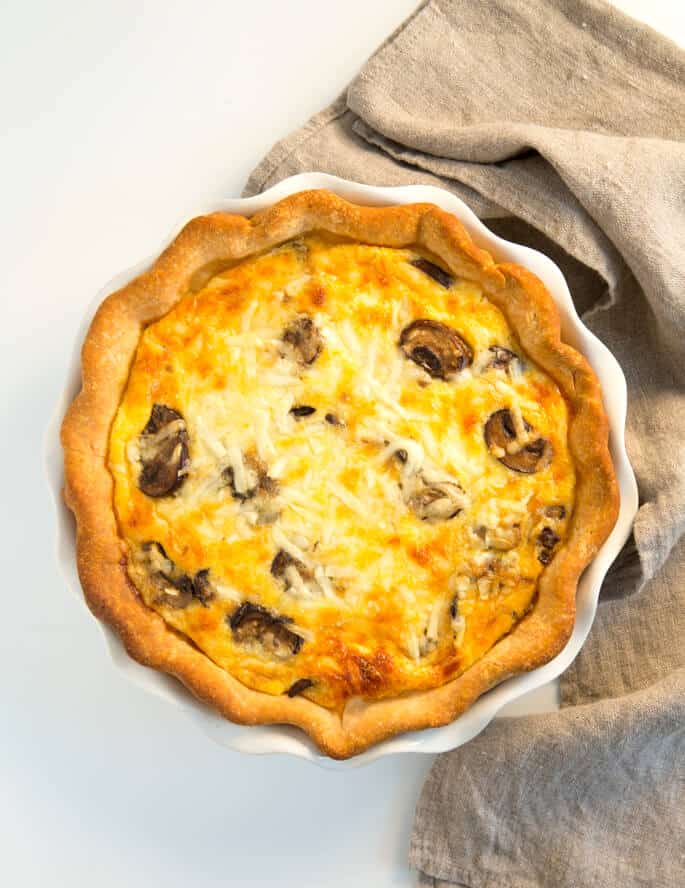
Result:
pixel 303 338
pixel 444 278
pixel 432 496
pixel 437 503
pixel 501 358
pixel 333 419
pixel 153 557
pixel 557 513
pixel 281 561
pixel 256 477
pixel 177 594
pixel 547 540
pixel 252 624
pixel 525 456
pixel 300 410
pixel 253 487
pixel 202 587
pixel 435 347
pixel 298 579
pixel 173 588
pixel 163 447
pixel 302 684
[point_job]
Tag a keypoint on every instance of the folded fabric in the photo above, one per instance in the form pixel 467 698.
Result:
pixel 561 123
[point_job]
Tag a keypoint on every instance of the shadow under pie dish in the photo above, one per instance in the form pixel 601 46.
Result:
pixel 332 467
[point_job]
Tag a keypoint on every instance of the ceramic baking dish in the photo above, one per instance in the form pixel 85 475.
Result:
pixel 283 739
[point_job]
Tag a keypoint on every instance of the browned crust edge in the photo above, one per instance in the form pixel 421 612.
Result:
pixel 205 243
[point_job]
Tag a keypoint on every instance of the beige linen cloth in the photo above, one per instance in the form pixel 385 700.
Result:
pixel 562 124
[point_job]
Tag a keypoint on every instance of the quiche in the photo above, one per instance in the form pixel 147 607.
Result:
pixel 333 467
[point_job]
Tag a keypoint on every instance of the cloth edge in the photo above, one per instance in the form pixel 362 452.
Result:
pixel 282 149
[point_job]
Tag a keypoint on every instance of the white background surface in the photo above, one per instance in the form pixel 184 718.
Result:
pixel 119 118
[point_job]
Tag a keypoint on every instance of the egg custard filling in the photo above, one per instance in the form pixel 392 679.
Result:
pixel 337 472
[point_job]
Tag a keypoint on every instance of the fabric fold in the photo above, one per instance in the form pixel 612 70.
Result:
pixel 562 124
pixel 581 764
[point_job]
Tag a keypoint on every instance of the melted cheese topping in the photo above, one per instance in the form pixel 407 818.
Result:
pixel 382 601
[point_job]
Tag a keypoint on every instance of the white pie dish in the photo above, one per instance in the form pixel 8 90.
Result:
pixel 283 739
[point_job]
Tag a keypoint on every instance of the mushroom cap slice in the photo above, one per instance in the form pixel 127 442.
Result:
pixel 163 446
pixel 547 540
pixel 432 497
pixel 203 589
pixel 258 478
pixel 173 588
pixel 290 571
pixel 281 561
pixel 435 347
pixel 176 593
pixel 501 357
pixel 501 439
pixel 252 624
pixel 444 278
pixel 260 490
pixel 438 502
pixel 297 687
pixel 304 338
pixel 300 410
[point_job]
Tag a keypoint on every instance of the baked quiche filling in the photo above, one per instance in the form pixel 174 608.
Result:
pixel 337 472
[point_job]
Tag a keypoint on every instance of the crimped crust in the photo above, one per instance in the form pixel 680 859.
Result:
pixel 206 245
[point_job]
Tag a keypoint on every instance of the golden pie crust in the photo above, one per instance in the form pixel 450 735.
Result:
pixel 205 249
